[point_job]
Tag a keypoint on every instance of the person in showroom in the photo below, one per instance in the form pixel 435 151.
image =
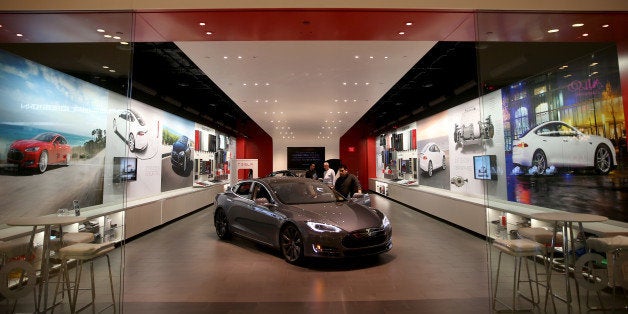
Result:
pixel 311 173
pixel 346 183
pixel 329 175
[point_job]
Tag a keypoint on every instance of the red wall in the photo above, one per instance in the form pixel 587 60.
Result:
pixel 258 145
pixel 361 160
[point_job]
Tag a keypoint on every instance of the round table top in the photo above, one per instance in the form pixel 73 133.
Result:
pixel 44 220
pixel 567 216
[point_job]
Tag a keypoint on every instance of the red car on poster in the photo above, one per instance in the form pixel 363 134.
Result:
pixel 38 153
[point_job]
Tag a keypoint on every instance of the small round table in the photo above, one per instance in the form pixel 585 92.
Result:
pixel 567 220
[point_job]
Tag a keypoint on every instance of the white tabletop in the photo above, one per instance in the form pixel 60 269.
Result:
pixel 44 220
pixel 567 216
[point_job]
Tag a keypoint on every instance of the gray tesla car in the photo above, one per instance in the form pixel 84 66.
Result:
pixel 301 218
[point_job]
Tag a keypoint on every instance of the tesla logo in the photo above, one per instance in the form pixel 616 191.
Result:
pixel 585 87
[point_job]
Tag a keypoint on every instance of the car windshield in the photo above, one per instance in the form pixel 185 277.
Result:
pixel 44 137
pixel 305 192
pixel 139 119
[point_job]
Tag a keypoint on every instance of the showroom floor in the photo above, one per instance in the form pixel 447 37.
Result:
pixel 184 268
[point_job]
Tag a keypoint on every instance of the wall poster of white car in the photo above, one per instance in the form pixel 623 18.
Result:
pixel 566 140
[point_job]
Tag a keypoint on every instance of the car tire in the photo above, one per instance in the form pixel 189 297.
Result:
pixel 291 243
pixel 430 169
pixel 603 160
pixel 221 222
pixel 444 165
pixel 540 161
pixel 131 142
pixel 43 161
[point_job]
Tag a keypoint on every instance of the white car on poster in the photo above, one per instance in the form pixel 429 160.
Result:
pixel 430 158
pixel 132 128
pixel 558 144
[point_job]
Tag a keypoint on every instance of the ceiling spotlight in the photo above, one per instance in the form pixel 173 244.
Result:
pixel 402 33
pixel 124 43
pixel 112 70
pixel 208 33
pixel 19 35
pixel 344 83
pixel 577 25
pixel 116 37
pixel 371 57
pixel 593 64
pixel 408 23
pixel 585 35
pixel 554 30
pixel 239 57
pixel 605 25
pixel 105 67
pixel 100 30
pixel 357 57
pixel 225 57
pixel 107 36
pixel 201 23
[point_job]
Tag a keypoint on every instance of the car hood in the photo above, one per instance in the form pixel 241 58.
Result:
pixel 347 215
pixel 27 143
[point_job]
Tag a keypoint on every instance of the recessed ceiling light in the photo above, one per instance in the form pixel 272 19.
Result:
pixel 563 67
pixel 116 37
pixel 402 33
pixel 100 30
pixel 112 70
pixel 566 76
pixel 371 57
pixel 201 23
pixel 244 84
pixel 408 23
pixel 594 73
pixel 19 35
pixel 585 35
pixel 593 64
pixel 605 25
pixel 255 84
pixel 105 67
pixel 239 57
pixel 124 43
pixel 225 57
pixel 357 57
pixel 208 33
pixel 344 83
pixel 386 57
pixel 577 25
pixel 554 30
pixel 107 36
pixel 267 84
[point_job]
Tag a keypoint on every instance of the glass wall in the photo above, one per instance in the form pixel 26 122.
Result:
pixel 562 148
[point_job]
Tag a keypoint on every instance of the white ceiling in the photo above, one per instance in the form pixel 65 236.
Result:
pixel 305 91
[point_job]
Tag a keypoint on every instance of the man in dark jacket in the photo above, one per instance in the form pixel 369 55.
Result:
pixel 311 173
pixel 346 183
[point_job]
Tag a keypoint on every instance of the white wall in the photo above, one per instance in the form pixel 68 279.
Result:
pixel 280 148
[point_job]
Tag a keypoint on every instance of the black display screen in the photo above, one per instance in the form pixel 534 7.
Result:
pixel 485 167
pixel 124 169
pixel 300 158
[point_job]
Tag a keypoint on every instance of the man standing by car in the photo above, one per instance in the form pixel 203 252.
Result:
pixel 311 173
pixel 329 176
pixel 347 184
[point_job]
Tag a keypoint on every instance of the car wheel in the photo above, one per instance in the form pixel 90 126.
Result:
pixel 67 159
pixel 131 142
pixel 291 244
pixel 43 161
pixel 603 159
pixel 444 165
pixel 221 222
pixel 540 161
pixel 430 169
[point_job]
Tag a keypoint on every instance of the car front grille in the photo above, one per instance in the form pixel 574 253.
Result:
pixel 15 154
pixel 364 238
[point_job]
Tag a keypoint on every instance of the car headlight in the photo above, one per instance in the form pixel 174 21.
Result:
pixel 32 149
pixel 321 227
pixel 385 222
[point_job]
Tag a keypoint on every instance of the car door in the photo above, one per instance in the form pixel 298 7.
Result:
pixel 577 149
pixel 551 143
pixel 264 219
pixel 240 208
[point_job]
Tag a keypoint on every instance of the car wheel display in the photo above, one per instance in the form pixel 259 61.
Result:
pixel 221 222
pixel 602 162
pixel 131 142
pixel 444 165
pixel 43 161
pixel 540 161
pixel 291 244
pixel 430 169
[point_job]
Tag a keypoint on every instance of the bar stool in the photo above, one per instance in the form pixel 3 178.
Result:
pixel 82 253
pixel 520 249
pixel 614 248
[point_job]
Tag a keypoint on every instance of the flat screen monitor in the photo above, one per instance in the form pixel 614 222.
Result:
pixel 124 169
pixel 300 158
pixel 485 167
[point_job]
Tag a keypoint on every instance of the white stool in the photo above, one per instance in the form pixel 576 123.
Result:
pixel 85 252
pixel 617 261
pixel 520 249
